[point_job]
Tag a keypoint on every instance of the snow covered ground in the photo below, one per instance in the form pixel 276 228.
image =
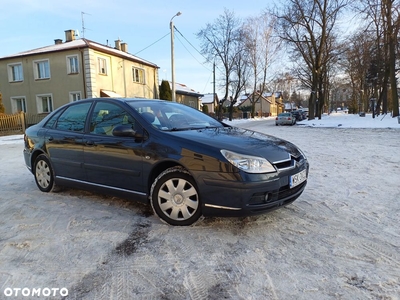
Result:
pixel 343 120
pixel 339 240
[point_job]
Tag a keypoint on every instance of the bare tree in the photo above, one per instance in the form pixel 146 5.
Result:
pixel 356 61
pixel 261 47
pixel 240 75
pixel 219 44
pixel 383 21
pixel 307 27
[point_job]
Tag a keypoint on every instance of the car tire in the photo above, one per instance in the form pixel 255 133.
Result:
pixel 44 174
pixel 175 198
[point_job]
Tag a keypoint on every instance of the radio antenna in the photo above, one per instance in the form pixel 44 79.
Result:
pixel 83 23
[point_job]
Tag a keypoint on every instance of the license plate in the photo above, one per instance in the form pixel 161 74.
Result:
pixel 298 178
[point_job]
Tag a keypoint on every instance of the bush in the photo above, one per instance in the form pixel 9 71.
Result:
pixel 165 91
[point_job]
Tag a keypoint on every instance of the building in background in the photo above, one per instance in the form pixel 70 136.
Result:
pixel 41 80
pixel 267 104
pixel 187 96
pixel 211 101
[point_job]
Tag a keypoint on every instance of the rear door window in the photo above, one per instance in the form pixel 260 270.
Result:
pixel 74 117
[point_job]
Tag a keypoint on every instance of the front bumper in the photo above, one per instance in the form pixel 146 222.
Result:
pixel 244 198
pixel 27 157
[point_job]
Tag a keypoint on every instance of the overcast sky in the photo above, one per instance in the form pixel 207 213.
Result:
pixel 30 24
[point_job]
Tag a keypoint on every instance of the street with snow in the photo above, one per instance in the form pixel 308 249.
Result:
pixel 339 240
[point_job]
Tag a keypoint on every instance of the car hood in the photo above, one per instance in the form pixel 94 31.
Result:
pixel 241 141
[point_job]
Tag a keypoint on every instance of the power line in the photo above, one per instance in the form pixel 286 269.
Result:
pixel 192 54
pixel 190 43
pixel 152 44
pixel 208 80
pixel 195 49
pixel 202 64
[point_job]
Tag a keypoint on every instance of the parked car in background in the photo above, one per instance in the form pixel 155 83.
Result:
pixel 176 158
pixel 298 115
pixel 286 118
pixel 304 112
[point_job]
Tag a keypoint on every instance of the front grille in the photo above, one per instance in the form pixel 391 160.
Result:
pixel 288 163
pixel 284 165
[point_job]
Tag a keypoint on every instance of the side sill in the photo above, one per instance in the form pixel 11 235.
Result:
pixel 102 186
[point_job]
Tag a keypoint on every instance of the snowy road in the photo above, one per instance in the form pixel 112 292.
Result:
pixel 339 240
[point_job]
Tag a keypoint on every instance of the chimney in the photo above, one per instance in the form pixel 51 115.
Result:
pixel 69 35
pixel 58 41
pixel 124 47
pixel 118 44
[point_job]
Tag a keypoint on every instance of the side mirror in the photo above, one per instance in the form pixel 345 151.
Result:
pixel 125 131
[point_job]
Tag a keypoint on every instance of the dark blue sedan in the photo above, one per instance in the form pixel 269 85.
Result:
pixel 181 161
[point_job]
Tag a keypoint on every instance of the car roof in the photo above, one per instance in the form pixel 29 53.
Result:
pixel 113 99
pixel 121 99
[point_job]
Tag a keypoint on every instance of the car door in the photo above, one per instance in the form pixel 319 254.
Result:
pixel 113 161
pixel 64 142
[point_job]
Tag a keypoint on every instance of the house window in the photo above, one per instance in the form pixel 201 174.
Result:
pixel 72 64
pixel 102 66
pixel 138 75
pixel 44 103
pixel 74 96
pixel 15 72
pixel 192 103
pixel 42 69
pixel 18 104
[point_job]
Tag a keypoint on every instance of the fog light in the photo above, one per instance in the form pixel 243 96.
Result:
pixel 266 197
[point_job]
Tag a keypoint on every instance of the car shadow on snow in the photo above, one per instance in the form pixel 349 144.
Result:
pixel 138 207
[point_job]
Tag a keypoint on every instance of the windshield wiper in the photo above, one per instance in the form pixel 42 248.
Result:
pixel 180 129
pixel 192 128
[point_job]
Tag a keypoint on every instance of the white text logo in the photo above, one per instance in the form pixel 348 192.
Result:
pixel 27 292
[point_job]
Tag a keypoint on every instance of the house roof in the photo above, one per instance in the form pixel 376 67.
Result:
pixel 207 99
pixel 80 44
pixel 264 97
pixel 185 90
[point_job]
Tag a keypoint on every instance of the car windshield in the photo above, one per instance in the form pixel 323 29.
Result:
pixel 171 116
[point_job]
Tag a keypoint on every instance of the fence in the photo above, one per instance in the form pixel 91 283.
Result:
pixel 17 123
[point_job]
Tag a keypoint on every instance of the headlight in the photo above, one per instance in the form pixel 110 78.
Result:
pixel 248 163
pixel 302 153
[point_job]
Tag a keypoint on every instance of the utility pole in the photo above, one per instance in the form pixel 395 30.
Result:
pixel 214 82
pixel 171 25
